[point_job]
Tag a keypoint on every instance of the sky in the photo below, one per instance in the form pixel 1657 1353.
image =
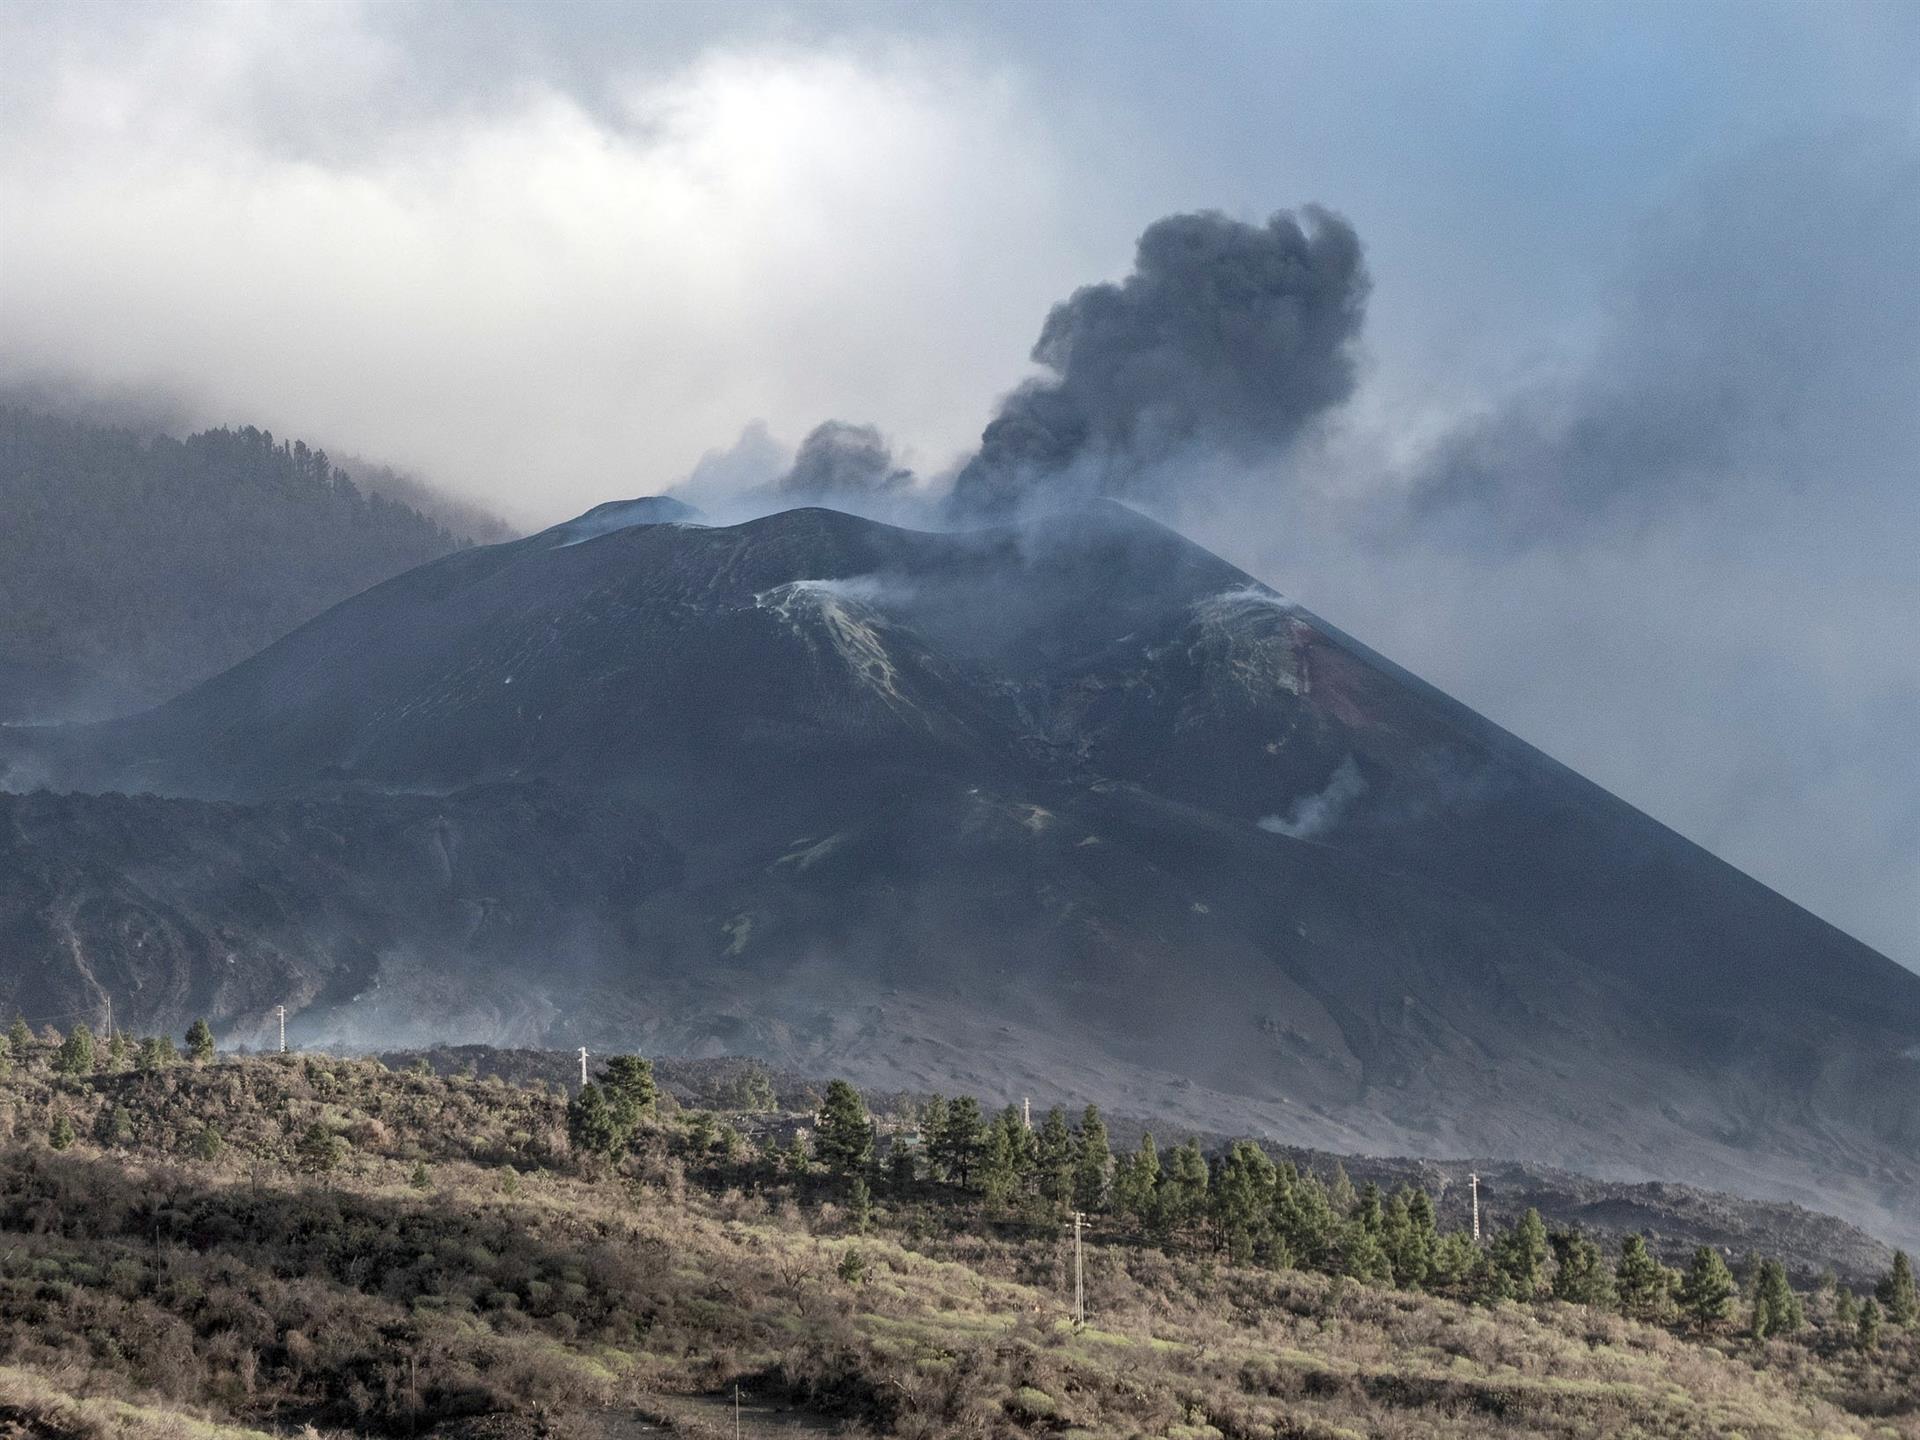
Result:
pixel 1627 456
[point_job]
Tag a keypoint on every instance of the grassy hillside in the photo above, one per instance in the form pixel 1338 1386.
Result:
pixel 291 1241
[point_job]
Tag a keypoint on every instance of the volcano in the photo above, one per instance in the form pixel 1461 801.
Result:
pixel 1071 809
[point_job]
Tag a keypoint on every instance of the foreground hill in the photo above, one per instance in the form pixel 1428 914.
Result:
pixel 1072 809
pixel 309 1241
pixel 131 568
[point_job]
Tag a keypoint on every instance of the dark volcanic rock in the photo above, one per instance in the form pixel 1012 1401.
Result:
pixel 1074 810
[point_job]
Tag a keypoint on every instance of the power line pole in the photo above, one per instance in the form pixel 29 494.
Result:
pixel 583 1067
pixel 1026 1111
pixel 736 1410
pixel 281 1011
pixel 1079 1279
pixel 1474 1180
pixel 109 1017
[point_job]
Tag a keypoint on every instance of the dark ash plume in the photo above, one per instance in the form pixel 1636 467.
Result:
pixel 1227 336
pixel 838 460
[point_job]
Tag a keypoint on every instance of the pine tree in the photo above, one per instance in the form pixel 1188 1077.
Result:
pixel 1305 1221
pixel 860 1204
pixel 591 1126
pixel 1640 1281
pixel 318 1150
pixel 60 1135
pixel 151 1056
pixel 702 1133
pixel 1362 1256
pixel 1846 1310
pixel 75 1056
pixel 1895 1291
pixel 117 1051
pixel 1184 1186
pixel 754 1091
pixel 1053 1161
pixel 422 1178
pixel 1455 1259
pixel 843 1140
pixel 1707 1289
pixel 1093 1162
pixel 1580 1275
pixel 1776 1309
pixel 852 1267
pixel 1488 1283
pixel 933 1125
pixel 1867 1334
pixel 1412 1235
pixel 630 1091
pixel 1367 1209
pixel 200 1042
pixel 1521 1252
pixel 1243 1201
pixel 961 1140
pixel 996 1165
pixel 1023 1150
pixel 20 1038
pixel 1340 1192
pixel 207 1144
pixel 1135 1181
pixel 900 1166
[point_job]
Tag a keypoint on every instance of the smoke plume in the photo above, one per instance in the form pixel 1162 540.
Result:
pixel 1226 338
pixel 1314 814
pixel 841 461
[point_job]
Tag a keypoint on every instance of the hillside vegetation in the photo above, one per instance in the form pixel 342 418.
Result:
pixel 1673 1219
pixel 131 568
pixel 305 1240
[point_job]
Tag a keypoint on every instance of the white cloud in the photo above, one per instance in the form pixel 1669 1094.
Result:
pixel 551 303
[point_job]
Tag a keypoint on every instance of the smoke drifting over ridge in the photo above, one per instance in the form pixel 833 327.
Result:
pixel 839 460
pixel 1227 338
pixel 1737 358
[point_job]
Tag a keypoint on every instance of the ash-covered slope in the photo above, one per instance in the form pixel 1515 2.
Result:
pixel 1074 809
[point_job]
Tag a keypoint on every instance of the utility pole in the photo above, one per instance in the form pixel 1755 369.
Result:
pixel 583 1067
pixel 109 1017
pixel 1474 1180
pixel 1079 1279
pixel 1026 1111
pixel 281 1011
pixel 736 1410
